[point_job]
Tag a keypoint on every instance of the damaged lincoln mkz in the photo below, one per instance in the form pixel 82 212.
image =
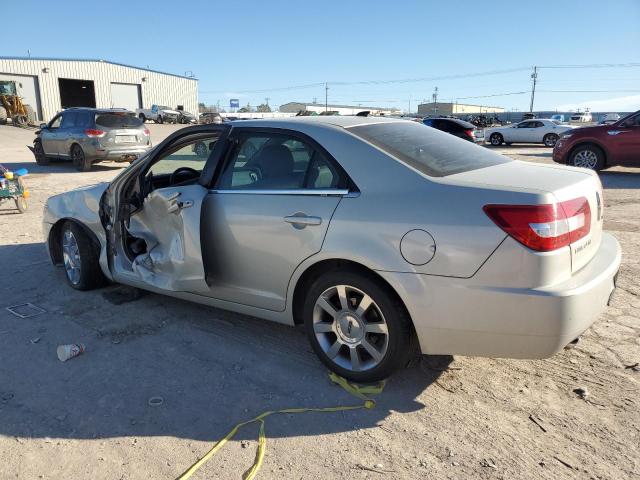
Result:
pixel 384 237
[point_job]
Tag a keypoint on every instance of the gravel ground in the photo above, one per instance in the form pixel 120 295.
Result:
pixel 443 418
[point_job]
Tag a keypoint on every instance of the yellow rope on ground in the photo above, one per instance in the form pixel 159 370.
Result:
pixel 360 391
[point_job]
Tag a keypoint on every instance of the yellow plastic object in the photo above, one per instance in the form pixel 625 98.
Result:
pixel 25 194
pixel 360 391
pixel 8 175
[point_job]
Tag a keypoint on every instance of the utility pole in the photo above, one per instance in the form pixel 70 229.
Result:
pixel 326 96
pixel 534 76
pixel 267 100
pixel 409 103
pixel 435 100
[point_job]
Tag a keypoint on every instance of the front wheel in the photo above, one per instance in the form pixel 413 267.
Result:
pixel 142 117
pixel 588 156
pixel 550 140
pixel 496 139
pixel 80 257
pixel 356 327
pixel 38 150
pixel 159 119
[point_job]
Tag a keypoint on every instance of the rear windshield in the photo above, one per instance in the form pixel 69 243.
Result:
pixel 117 120
pixel 429 151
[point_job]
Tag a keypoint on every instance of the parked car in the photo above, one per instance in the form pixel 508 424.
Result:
pixel 383 237
pixel 458 128
pixel 540 130
pixel 186 117
pixel 584 117
pixel 529 116
pixel 159 114
pixel 610 118
pixel 601 146
pixel 211 117
pixel 89 135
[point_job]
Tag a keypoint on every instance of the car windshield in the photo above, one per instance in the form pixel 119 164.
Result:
pixel 117 120
pixel 428 150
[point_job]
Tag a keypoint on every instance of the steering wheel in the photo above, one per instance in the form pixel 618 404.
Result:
pixel 172 177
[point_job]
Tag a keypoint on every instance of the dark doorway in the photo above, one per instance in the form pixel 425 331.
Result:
pixel 77 93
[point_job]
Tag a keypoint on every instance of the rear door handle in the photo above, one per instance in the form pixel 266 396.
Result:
pixel 301 220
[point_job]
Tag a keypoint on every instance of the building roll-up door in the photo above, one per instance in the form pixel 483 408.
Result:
pixel 125 95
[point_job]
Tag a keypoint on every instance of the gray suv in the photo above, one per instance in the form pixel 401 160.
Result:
pixel 89 135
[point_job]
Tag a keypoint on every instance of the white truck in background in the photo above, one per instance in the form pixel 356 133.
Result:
pixel 158 113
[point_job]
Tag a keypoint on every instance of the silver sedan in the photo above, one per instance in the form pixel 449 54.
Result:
pixel 385 238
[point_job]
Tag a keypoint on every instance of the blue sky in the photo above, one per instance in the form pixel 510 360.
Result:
pixel 235 48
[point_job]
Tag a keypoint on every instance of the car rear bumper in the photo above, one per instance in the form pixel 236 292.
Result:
pixel 458 316
pixel 122 154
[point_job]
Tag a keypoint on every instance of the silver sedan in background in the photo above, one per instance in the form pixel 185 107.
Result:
pixel 384 237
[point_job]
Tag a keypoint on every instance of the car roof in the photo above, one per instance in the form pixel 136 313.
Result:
pixel 98 110
pixel 344 121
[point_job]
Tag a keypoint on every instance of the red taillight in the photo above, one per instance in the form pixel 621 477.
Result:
pixel 146 132
pixel 544 227
pixel 470 133
pixel 92 132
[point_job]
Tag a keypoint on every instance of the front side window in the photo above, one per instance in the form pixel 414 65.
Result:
pixel 429 151
pixel 187 154
pixel 55 123
pixel 525 125
pixel 278 162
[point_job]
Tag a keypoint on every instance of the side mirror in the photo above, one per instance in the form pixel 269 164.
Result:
pixel 43 126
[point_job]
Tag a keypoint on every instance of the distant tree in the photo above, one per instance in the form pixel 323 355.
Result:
pixel 264 108
pixel 245 109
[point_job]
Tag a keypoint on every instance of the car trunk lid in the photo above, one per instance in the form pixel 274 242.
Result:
pixel 562 187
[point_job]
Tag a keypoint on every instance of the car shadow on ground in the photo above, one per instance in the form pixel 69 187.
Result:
pixel 210 368
pixel 61 166
pixel 620 180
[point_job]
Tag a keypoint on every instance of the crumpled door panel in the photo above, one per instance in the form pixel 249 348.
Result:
pixel 169 223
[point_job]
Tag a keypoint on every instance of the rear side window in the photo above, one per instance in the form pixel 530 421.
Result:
pixel 69 119
pixel 117 120
pixel 429 151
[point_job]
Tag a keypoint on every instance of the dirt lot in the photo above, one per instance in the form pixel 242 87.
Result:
pixel 478 418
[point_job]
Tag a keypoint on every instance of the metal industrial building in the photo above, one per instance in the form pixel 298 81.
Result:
pixel 443 108
pixel 295 107
pixel 52 84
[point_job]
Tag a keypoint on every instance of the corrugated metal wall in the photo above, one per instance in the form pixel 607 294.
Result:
pixel 159 88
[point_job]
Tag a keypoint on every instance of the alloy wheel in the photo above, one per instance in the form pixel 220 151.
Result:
pixel 550 140
pixel 586 159
pixel 350 328
pixel 71 257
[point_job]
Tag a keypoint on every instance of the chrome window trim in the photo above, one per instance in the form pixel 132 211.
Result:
pixel 300 191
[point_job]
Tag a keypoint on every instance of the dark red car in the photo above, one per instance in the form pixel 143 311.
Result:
pixel 601 146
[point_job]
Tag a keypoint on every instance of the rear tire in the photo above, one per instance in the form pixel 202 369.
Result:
pixel 380 336
pixel 588 156
pixel 80 161
pixel 496 139
pixel 142 117
pixel 550 140
pixel 81 258
pixel 38 151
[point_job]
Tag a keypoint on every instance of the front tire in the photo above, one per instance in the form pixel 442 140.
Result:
pixel 588 156
pixel 81 258
pixel 357 328
pixel 159 119
pixel 80 160
pixel 38 151
pixel 142 117
pixel 496 139
pixel 550 140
